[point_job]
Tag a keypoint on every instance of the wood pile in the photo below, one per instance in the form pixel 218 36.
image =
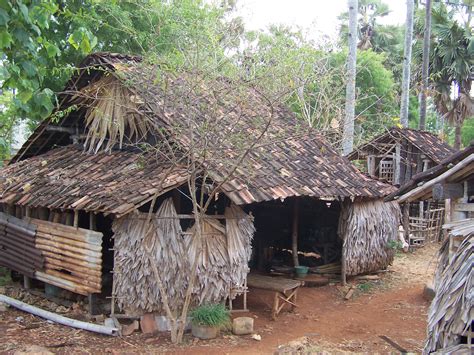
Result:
pixel 367 228
pixel 452 310
pixel 222 266
pixel 72 256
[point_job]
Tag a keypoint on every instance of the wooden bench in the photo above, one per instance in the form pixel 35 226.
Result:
pixel 285 290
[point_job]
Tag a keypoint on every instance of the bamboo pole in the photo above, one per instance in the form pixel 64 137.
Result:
pixel 59 319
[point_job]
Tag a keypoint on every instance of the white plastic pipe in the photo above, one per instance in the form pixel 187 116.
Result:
pixel 96 328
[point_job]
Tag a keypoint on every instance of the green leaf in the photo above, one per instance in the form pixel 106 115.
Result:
pixel 52 50
pixel 4 18
pixel 25 95
pixel 75 39
pixel 24 12
pixel 29 68
pixel 5 39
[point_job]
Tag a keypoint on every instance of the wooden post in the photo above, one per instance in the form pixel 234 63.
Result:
pixel 26 282
pixel 68 218
pixel 92 305
pixel 371 165
pixel 294 234
pixel 92 221
pixel 28 212
pixel 396 165
pixel 406 220
pixel 76 218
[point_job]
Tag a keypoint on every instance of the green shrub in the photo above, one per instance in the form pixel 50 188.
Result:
pixel 213 315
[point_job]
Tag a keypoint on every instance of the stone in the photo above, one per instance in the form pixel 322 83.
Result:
pixel 242 325
pixel 256 337
pixel 3 307
pixel 148 324
pixel 128 329
pixel 429 292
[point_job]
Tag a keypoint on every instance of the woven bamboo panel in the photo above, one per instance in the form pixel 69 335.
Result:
pixel 72 256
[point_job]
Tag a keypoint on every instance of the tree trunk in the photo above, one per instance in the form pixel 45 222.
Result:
pixel 425 66
pixel 406 65
pixel 457 133
pixel 348 133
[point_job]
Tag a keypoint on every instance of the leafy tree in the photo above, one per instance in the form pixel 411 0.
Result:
pixel 41 41
pixel 452 63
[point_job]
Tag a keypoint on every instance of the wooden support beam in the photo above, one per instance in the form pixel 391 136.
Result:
pixel 294 232
pixel 92 304
pixel 92 221
pixel 51 128
pixel 397 164
pixel 464 207
pixel 76 219
pixel 26 282
pixel 371 165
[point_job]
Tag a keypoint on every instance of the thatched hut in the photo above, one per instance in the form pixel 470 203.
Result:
pixel 395 157
pixel 450 320
pixel 79 191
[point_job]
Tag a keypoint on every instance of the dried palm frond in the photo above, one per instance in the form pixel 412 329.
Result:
pixel 452 310
pixel 222 267
pixel 367 228
pixel 112 114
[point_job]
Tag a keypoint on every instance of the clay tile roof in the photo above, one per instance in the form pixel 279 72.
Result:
pixel 291 160
pixel 68 178
pixel 427 142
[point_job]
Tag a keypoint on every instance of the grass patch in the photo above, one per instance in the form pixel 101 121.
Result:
pixel 365 287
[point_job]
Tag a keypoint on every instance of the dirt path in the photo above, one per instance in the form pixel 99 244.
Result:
pixel 392 306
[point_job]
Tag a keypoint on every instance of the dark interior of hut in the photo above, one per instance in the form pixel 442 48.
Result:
pixel 318 242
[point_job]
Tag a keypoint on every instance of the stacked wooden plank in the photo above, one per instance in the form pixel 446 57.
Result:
pixel 72 257
pixel 18 246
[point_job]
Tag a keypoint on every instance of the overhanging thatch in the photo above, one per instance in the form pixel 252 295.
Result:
pixel 367 228
pixel 452 309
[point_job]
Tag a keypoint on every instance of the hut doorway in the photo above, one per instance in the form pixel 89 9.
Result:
pixel 318 242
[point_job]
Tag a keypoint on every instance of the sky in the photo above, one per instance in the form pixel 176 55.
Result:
pixel 318 17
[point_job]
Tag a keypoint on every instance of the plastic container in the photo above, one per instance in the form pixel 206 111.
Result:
pixel 301 271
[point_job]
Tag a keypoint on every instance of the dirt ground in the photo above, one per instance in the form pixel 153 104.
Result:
pixel 391 307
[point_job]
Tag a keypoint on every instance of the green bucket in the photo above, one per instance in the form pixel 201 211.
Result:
pixel 301 271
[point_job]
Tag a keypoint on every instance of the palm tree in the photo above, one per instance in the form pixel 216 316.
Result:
pixel 452 63
pixel 406 65
pixel 425 65
pixel 348 132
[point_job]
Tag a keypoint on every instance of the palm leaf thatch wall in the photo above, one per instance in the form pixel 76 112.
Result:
pixel 452 309
pixel 223 264
pixel 367 228
pixel 112 114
